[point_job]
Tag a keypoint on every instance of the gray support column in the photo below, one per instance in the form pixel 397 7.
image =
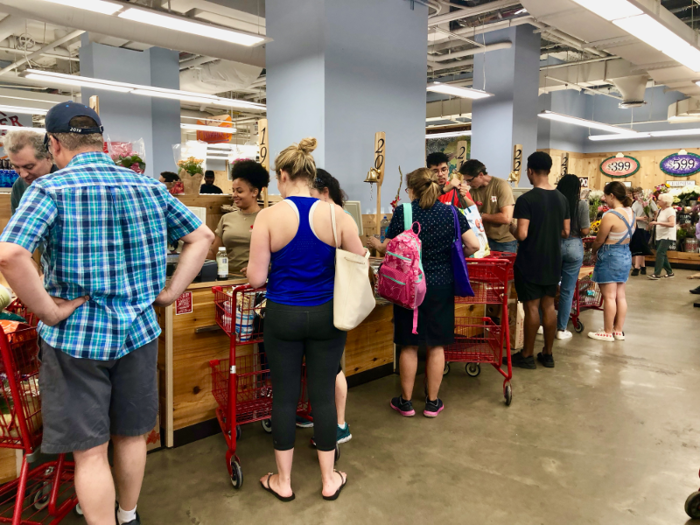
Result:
pixel 129 117
pixel 341 71
pixel 509 117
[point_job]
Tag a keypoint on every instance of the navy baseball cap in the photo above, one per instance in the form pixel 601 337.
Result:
pixel 58 118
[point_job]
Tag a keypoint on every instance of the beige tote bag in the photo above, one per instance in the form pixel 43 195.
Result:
pixel 353 298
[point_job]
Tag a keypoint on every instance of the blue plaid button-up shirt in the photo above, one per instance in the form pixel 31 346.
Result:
pixel 106 231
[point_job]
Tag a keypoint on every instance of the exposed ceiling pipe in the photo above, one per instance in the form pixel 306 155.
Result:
pixel 460 63
pixel 196 62
pixel 470 52
pixel 11 25
pixel 471 32
pixel 578 63
pixel 54 55
pixel 471 11
pixel 48 47
pixel 133 31
pixel 567 39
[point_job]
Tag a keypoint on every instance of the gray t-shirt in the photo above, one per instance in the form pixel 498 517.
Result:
pixel 584 220
pixel 18 189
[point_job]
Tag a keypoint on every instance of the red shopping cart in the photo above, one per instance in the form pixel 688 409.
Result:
pixel 587 295
pixel 485 340
pixel 241 384
pixel 45 494
pixel 16 307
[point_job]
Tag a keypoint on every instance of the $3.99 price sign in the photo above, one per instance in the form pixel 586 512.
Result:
pixel 619 167
pixel 681 165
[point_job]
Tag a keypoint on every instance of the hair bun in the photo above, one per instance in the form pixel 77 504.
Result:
pixel 307 145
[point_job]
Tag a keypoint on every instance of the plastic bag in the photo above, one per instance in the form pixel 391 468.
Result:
pixel 128 154
pixel 477 225
pixel 191 156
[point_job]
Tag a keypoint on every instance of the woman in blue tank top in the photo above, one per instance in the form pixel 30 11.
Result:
pixel 293 249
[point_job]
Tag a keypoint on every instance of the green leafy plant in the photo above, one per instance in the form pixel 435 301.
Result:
pixel 191 165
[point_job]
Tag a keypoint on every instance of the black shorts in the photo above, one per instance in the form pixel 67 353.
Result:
pixel 85 401
pixel 528 291
pixel 436 319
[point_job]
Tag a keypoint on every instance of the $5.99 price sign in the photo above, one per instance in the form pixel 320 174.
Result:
pixel 681 165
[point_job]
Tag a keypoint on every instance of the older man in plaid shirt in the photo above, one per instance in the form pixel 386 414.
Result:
pixel 106 231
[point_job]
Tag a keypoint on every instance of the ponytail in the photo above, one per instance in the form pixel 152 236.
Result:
pixel 618 190
pixel 424 185
pixel 297 160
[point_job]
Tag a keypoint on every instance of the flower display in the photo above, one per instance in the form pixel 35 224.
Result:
pixel 191 166
pixel 128 155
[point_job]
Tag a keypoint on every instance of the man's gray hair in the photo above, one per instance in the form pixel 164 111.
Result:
pixel 16 140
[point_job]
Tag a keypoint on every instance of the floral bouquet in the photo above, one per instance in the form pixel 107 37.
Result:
pixel 661 188
pixel 191 165
pixel 128 155
pixel 595 203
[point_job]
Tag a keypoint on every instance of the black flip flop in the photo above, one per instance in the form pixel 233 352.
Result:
pixel 285 499
pixel 340 489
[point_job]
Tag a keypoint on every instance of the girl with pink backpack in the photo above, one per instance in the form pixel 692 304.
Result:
pixel 417 276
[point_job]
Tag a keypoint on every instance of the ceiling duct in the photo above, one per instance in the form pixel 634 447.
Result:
pixel 683 110
pixel 219 77
pixel 632 90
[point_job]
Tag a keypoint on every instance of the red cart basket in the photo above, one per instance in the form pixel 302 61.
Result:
pixel 485 340
pixel 587 294
pixel 243 391
pixel 45 494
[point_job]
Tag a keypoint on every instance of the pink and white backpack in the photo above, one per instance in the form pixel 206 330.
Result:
pixel 401 277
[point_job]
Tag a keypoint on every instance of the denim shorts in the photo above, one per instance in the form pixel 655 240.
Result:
pixel 613 264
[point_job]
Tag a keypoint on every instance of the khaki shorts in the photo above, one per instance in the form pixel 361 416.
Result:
pixel 85 401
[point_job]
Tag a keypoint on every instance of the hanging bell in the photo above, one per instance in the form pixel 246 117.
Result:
pixel 372 176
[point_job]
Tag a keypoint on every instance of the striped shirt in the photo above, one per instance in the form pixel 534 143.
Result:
pixel 106 230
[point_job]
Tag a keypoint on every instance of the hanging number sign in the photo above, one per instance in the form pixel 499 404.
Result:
pixel 619 167
pixel 681 165
pixel 380 154
pixel 564 164
pixel 461 154
pixel 264 154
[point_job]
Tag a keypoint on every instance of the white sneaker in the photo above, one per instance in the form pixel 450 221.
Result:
pixel 540 330
pixel 619 336
pixel 601 335
pixel 564 335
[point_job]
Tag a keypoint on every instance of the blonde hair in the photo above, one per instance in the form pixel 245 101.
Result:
pixel 424 185
pixel 667 198
pixel 297 160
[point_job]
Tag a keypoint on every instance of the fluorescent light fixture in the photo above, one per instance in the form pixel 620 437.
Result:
pixel 567 119
pixel 221 146
pixel 217 157
pixel 610 9
pixel 98 6
pixel 658 36
pixel 457 91
pixel 178 23
pixel 10 128
pixel 137 89
pixel 449 134
pixel 649 134
pixel 215 129
pixel 23 110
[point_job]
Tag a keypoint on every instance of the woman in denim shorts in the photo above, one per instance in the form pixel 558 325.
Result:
pixel 613 260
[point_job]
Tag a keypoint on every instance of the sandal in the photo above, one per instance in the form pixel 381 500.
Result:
pixel 337 492
pixel 286 499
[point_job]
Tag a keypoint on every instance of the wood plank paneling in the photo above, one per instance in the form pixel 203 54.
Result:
pixel 648 176
pixel 371 344
pixel 212 203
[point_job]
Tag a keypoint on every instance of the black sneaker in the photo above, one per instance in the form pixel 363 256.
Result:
pixel 433 408
pixel 696 291
pixel 669 275
pixel 644 270
pixel 519 361
pixel 136 521
pixel 547 360
pixel 635 272
pixel 403 407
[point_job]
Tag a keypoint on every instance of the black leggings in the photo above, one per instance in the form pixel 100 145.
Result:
pixel 292 332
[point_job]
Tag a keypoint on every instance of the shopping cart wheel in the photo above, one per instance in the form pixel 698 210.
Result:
pixel 472 369
pixel 236 474
pixel 447 369
pixel 578 326
pixel 239 432
pixel 267 425
pixel 41 498
pixel 692 505
pixel 508 394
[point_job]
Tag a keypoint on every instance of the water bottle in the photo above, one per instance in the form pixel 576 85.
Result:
pixel 222 264
pixel 383 227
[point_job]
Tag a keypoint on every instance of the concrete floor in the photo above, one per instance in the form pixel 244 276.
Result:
pixel 610 436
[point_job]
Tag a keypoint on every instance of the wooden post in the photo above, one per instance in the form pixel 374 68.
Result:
pixel 514 177
pixel 461 156
pixel 95 103
pixel 263 143
pixel 379 163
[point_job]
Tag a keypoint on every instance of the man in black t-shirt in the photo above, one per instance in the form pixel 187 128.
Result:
pixel 208 186
pixel 543 219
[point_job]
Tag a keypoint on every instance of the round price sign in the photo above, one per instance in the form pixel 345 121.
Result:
pixel 619 167
pixel 681 165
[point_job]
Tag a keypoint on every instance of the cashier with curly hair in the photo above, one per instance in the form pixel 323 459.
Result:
pixel 235 228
